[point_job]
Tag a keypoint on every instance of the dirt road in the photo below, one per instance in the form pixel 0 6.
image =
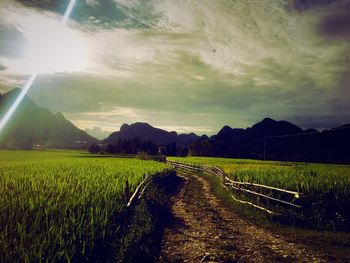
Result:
pixel 206 231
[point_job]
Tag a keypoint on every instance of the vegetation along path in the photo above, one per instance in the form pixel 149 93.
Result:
pixel 206 231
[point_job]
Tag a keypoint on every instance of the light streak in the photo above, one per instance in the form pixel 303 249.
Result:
pixel 32 78
pixel 68 11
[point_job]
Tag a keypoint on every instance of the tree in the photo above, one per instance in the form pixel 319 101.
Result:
pixel 171 149
pixel 149 147
pixel 184 151
pixel 94 148
pixel 111 149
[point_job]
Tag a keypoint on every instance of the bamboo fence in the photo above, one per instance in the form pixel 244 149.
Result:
pixel 247 188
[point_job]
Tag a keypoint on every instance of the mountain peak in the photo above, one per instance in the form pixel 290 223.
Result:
pixel 147 132
pixel 59 115
pixel 38 126
pixel 124 126
pixel 136 127
pixel 268 120
pixel 203 138
pixel 142 124
pixel 8 99
pixel 270 127
pixel 14 91
pixel 225 129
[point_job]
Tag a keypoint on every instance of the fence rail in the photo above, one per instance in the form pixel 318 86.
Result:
pixel 131 202
pixel 140 189
pixel 294 193
pixel 137 190
pixel 262 195
pixel 242 187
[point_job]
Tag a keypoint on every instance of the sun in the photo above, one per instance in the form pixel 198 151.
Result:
pixel 52 47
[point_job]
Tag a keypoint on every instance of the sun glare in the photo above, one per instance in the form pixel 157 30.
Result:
pixel 55 49
pixel 52 47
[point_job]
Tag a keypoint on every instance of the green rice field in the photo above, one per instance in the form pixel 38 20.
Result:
pixel 61 205
pixel 324 188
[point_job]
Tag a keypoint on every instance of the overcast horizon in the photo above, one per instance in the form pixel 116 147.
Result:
pixel 187 66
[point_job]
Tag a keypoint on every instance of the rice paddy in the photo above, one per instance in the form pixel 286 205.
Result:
pixel 61 205
pixel 324 188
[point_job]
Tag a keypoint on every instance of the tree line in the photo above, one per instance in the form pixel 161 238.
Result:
pixel 136 145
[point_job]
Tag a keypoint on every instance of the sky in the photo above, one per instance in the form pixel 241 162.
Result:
pixel 183 65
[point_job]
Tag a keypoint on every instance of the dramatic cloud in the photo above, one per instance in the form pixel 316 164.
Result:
pixel 106 14
pixel 192 65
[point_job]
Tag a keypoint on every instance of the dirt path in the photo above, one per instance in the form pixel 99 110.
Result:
pixel 205 231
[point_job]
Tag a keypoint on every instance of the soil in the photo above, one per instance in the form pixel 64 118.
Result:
pixel 204 230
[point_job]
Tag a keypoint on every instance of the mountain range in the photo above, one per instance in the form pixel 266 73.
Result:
pixel 34 126
pixel 278 140
pixel 146 132
pixel 267 139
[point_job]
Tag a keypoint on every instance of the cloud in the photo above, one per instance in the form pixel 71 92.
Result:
pixel 179 99
pixel 11 41
pixel 302 5
pixel 112 119
pixel 97 132
pixel 107 14
pixel 199 130
pixel 197 64
pixel 321 122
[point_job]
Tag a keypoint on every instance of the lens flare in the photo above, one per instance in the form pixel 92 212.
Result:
pixel 32 78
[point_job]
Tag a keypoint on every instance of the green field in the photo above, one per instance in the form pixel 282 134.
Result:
pixel 61 205
pixel 324 188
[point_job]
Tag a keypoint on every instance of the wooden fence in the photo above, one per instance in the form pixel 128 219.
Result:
pixel 140 189
pixel 132 201
pixel 245 188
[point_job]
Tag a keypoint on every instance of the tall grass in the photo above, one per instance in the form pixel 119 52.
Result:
pixel 58 206
pixel 325 188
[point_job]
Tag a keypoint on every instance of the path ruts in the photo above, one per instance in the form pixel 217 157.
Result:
pixel 206 231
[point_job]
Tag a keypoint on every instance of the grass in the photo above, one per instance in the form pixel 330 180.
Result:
pixel 302 177
pixel 147 221
pixel 60 205
pixel 336 245
pixel 325 188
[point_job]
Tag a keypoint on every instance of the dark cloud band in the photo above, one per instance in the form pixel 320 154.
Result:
pixel 106 14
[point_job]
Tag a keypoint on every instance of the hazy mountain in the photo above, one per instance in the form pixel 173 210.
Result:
pixel 146 132
pixel 97 132
pixel 278 140
pixel 31 125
